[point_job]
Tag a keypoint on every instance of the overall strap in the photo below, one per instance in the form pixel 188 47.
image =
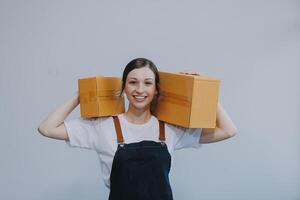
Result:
pixel 118 129
pixel 162 131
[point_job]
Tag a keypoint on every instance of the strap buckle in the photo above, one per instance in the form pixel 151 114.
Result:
pixel 121 144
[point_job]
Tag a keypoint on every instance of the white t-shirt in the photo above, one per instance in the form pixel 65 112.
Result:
pixel 99 134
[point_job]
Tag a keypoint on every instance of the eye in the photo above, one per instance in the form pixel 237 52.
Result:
pixel 149 83
pixel 132 82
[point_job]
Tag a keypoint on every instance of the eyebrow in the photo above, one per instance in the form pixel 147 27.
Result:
pixel 145 78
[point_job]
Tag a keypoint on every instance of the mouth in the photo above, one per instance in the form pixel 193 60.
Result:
pixel 139 98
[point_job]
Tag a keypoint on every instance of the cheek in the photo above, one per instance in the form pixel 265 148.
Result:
pixel 153 89
pixel 152 92
pixel 126 91
pixel 127 88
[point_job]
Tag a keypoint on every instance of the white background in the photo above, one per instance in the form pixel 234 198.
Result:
pixel 252 46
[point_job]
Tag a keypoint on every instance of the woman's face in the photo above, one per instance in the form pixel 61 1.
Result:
pixel 140 87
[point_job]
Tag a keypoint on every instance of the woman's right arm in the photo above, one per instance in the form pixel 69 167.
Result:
pixel 53 126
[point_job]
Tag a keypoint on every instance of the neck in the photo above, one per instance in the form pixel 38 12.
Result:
pixel 137 116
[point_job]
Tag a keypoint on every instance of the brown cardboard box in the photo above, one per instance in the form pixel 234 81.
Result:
pixel 99 96
pixel 188 100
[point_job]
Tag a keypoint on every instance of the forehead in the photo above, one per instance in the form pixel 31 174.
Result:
pixel 141 74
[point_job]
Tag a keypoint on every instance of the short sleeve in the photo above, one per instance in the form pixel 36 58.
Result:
pixel 81 132
pixel 187 138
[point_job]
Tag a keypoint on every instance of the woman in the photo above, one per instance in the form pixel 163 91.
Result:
pixel 134 147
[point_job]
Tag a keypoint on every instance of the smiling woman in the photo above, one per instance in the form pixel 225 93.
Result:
pixel 134 148
pixel 140 82
pixel 140 91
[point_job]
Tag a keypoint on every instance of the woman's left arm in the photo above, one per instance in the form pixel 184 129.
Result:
pixel 224 129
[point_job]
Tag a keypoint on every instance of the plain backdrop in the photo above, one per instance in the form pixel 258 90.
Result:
pixel 253 46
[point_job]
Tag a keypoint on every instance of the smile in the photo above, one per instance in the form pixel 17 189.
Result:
pixel 140 98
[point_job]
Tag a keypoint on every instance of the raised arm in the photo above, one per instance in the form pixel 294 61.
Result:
pixel 53 126
pixel 225 128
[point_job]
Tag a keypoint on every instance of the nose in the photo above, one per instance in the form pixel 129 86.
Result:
pixel 140 88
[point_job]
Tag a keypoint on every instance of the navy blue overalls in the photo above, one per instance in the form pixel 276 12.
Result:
pixel 140 170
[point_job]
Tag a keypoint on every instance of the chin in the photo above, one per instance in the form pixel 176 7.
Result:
pixel 140 107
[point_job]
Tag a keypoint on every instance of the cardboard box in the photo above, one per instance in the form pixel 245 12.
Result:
pixel 188 100
pixel 99 96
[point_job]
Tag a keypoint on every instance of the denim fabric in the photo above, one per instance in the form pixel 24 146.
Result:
pixel 140 171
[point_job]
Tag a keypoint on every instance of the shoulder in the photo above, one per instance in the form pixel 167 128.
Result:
pixel 105 121
pixel 180 131
pixel 88 123
pixel 175 128
pixel 96 120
